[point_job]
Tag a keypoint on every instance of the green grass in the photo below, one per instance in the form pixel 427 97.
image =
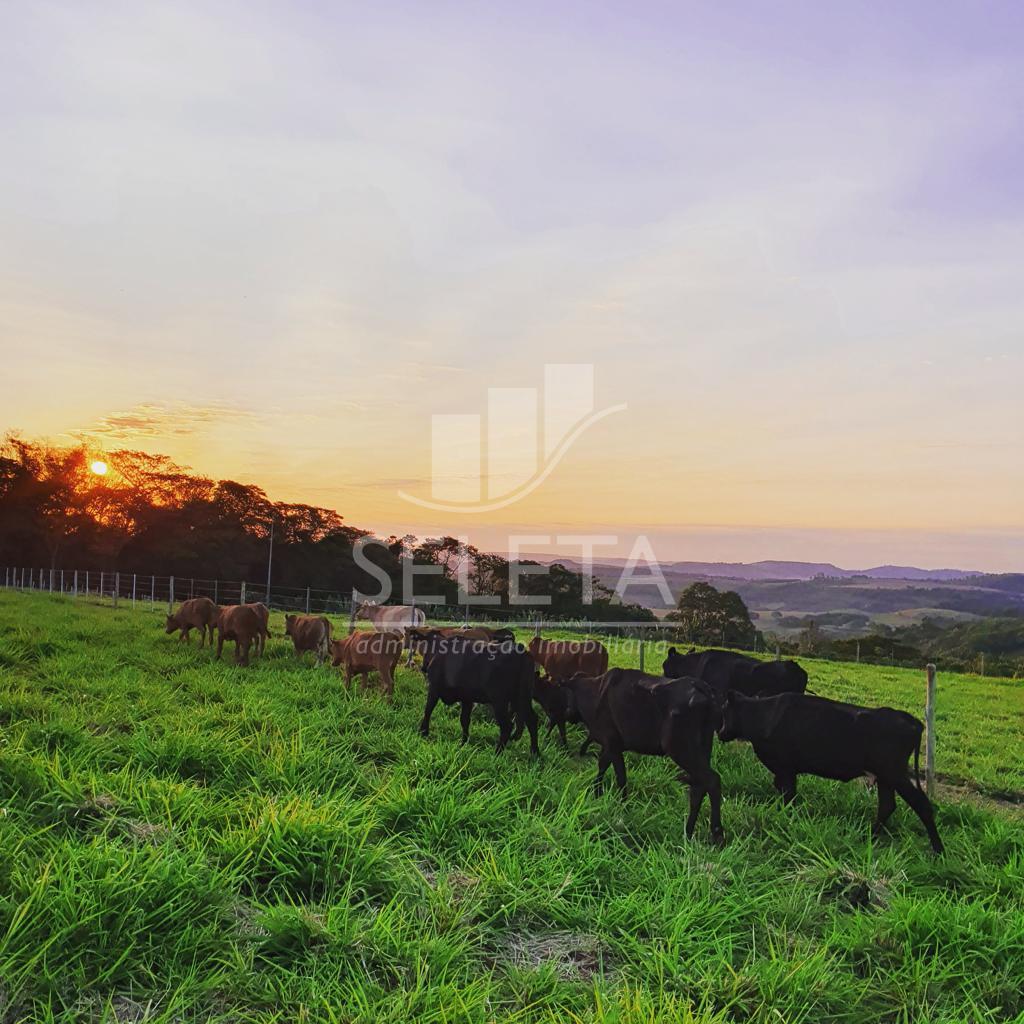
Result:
pixel 187 841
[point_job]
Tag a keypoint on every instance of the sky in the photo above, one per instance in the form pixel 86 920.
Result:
pixel 275 241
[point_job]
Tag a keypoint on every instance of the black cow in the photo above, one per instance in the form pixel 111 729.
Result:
pixel 466 672
pixel 560 705
pixel 726 670
pixel 632 711
pixel 794 734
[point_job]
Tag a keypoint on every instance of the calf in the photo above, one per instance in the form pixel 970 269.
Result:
pixel 560 704
pixel 632 711
pixel 727 671
pixel 475 672
pixel 264 613
pixel 794 734
pixel 564 658
pixel 364 652
pixel 309 633
pixel 197 613
pixel 241 623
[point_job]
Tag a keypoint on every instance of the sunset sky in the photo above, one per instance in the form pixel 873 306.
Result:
pixel 274 240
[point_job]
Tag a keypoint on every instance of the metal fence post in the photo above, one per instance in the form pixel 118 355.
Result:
pixel 170 597
pixel 929 721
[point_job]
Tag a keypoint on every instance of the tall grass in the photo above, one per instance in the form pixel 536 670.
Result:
pixel 185 840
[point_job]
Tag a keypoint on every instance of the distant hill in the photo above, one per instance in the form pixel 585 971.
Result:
pixel 775 570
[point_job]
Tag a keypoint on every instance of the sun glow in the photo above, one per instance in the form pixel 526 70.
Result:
pixel 99 467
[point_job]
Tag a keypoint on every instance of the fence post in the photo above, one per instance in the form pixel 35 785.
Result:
pixel 75 584
pixel 778 652
pixel 103 577
pixel 134 581
pixel 170 597
pixel 152 590
pixel 117 587
pixel 352 614
pixel 241 593
pixel 62 581
pixel 983 664
pixel 51 591
pixel 929 722
pixel 307 600
pixel 641 654
pixel 536 624
pixel 191 588
pixel 216 588
pixel 858 652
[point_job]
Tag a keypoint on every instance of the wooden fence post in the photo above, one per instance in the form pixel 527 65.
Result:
pixel 307 598
pixel 216 588
pixel 929 722
pixel 858 652
pixel 103 577
pixel 117 587
pixel 134 581
pixel 62 581
pixel 778 651
pixel 152 590
pixel 75 585
pixel 352 614
pixel 641 654
pixel 170 597
pixel 241 593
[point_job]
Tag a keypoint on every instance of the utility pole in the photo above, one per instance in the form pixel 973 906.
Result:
pixel 270 562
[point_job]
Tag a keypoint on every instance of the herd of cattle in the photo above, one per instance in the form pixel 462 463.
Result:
pixel 677 714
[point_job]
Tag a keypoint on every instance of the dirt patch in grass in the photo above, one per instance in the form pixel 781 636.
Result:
pixel 576 956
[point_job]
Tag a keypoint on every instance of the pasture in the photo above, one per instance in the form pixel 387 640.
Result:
pixel 182 840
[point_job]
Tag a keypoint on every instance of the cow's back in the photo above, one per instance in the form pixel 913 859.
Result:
pixel 238 622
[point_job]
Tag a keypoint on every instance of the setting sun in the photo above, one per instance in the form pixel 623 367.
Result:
pixel 99 467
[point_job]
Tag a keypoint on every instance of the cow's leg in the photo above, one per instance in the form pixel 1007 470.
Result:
pixel 220 643
pixel 603 760
pixel 243 645
pixel 184 633
pixel 922 807
pixel 585 745
pixel 531 725
pixel 785 783
pixel 504 720
pixel 620 771
pixel 433 695
pixel 465 718
pixel 348 677
pixel 706 781
pixel 563 739
pixel 886 805
pixel 388 682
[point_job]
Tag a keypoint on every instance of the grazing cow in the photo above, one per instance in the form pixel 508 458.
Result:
pixel 264 613
pixel 309 633
pixel 631 711
pixel 475 672
pixel 418 637
pixel 197 613
pixel 241 623
pixel 392 616
pixel 726 670
pixel 364 652
pixel 562 659
pixel 794 734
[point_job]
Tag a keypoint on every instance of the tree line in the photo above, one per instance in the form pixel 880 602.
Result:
pixel 150 515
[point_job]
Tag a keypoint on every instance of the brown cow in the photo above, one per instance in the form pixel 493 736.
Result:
pixel 197 613
pixel 562 659
pixel 364 652
pixel 309 633
pixel 264 613
pixel 241 623
pixel 419 637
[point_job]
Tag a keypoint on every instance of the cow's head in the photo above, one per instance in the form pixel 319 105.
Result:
pixel 172 624
pixel 289 624
pixel 366 609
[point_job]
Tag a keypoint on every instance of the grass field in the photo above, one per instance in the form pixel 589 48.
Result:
pixel 182 840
